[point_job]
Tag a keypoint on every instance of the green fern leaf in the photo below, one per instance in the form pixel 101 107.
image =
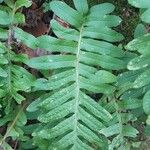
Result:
pixel 71 118
pixel 146 103
pixel 140 4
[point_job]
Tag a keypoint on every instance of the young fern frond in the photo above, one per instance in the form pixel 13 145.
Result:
pixel 71 117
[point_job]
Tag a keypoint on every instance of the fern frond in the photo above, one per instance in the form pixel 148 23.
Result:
pixel 119 128
pixel 14 79
pixel 71 118
pixel 133 85
pixel 141 63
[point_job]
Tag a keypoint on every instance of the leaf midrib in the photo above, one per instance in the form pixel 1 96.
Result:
pixel 77 80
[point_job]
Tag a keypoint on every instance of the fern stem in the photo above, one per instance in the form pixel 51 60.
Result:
pixel 77 79
pixel 12 125
pixel 9 41
pixel 9 60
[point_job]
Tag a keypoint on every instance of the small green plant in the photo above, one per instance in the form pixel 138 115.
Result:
pixel 90 93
